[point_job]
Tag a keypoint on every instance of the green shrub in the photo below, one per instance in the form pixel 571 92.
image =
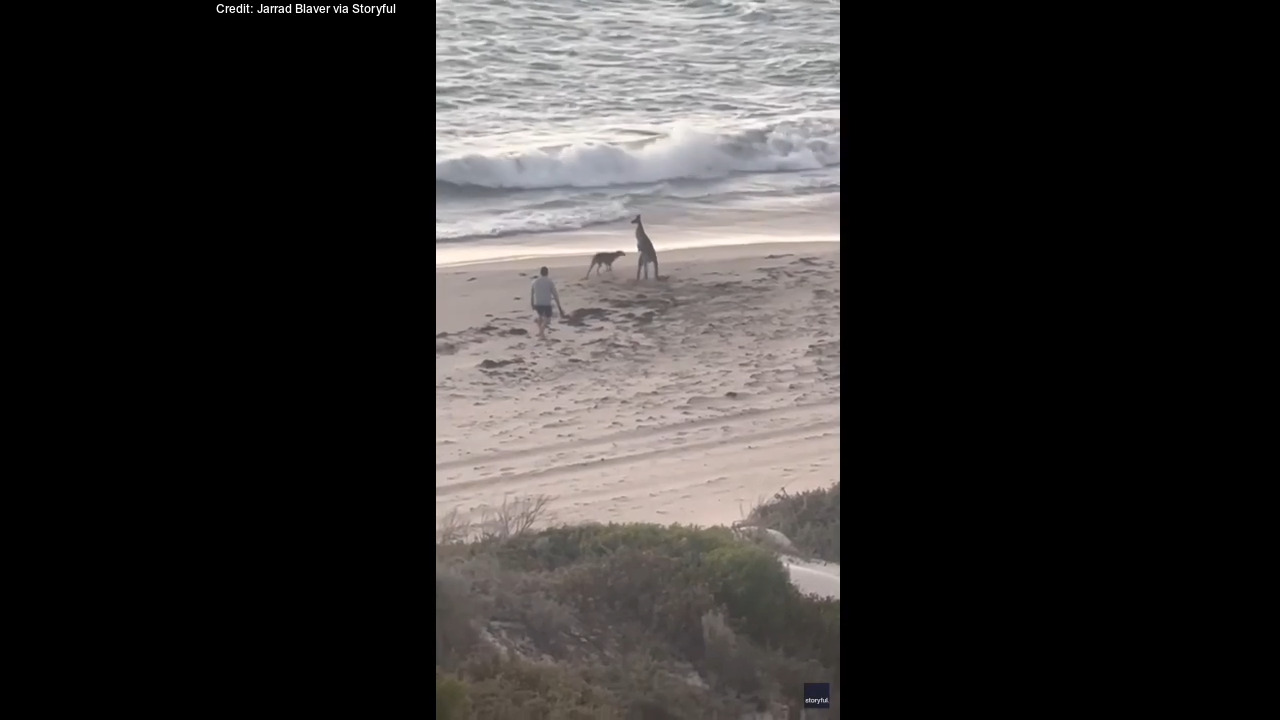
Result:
pixel 812 628
pixel 627 612
pixel 811 520
pixel 452 702
pixel 563 546
pixel 455 629
pixel 530 691
pixel 753 585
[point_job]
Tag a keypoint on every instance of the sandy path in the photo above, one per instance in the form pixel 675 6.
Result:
pixel 684 400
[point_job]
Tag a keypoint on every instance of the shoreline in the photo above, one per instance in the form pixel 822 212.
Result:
pixel 752 230
pixel 571 258
pixel 532 253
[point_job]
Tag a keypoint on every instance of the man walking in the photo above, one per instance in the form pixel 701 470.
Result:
pixel 541 294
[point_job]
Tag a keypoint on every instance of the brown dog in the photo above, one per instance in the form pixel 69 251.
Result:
pixel 604 260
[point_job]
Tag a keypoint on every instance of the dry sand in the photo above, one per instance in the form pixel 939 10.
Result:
pixel 686 400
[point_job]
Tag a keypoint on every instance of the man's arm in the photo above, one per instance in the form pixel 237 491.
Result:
pixel 531 292
pixel 556 294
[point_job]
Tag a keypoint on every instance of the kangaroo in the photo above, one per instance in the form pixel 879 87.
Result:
pixel 604 260
pixel 647 253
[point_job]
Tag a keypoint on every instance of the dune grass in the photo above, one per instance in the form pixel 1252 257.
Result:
pixel 811 520
pixel 626 621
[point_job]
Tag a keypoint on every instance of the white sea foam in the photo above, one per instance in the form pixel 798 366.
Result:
pixel 683 152
pixel 531 220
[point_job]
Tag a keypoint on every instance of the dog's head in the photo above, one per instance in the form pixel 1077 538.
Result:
pixel 636 221
pixel 617 254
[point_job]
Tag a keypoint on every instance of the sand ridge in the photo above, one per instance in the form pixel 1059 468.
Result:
pixel 686 400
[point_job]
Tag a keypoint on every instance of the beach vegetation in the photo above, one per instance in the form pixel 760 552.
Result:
pixel 625 621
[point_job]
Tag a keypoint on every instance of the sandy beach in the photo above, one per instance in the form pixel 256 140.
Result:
pixel 687 399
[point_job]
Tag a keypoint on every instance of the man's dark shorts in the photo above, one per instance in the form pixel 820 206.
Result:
pixel 544 311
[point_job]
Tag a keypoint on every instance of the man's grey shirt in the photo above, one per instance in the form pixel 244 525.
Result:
pixel 543 291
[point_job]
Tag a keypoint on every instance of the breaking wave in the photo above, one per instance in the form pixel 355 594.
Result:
pixel 683 153
pixel 531 220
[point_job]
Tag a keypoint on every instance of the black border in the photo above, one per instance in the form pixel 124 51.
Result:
pixel 260 339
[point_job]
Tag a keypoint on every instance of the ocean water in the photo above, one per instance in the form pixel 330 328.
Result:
pixel 563 119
